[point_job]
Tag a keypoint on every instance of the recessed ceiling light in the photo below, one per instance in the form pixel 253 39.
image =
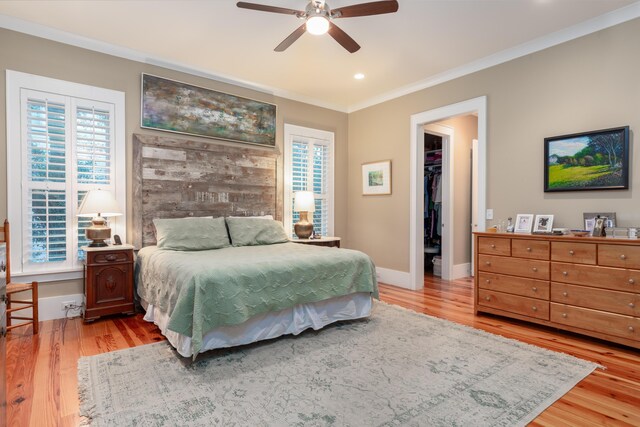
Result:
pixel 358 76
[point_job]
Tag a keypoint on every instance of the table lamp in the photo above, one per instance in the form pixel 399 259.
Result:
pixel 304 203
pixel 98 204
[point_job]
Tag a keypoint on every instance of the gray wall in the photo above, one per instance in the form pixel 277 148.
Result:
pixel 586 84
pixel 35 55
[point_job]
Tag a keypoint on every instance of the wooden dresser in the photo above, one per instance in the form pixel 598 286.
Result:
pixel 580 284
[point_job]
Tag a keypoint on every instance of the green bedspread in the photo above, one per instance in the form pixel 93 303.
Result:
pixel 202 290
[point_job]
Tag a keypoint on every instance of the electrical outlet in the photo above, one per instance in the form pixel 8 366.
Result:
pixel 68 305
pixel 489 213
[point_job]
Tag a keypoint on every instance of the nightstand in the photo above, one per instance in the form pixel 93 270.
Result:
pixel 108 281
pixel 333 242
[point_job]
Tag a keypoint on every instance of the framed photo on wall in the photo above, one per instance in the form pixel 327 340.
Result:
pixel 376 178
pixel 543 224
pixel 524 223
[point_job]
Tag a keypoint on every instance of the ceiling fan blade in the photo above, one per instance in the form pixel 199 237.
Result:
pixel 292 38
pixel 365 9
pixel 343 38
pixel 267 8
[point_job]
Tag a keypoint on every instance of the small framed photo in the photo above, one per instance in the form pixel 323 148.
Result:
pixel 376 178
pixel 589 224
pixel 524 222
pixel 543 224
pixel 598 227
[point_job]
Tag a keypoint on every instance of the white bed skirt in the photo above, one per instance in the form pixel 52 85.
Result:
pixel 269 325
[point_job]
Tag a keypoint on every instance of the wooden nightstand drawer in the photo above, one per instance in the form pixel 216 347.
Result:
pixel 514 285
pixel 108 257
pixel 597 299
pixel 534 249
pixel 599 277
pixel 581 253
pixel 625 256
pixel 494 246
pixel 533 269
pixel 531 307
pixel 595 320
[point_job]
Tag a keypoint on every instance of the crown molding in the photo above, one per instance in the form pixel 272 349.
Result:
pixel 593 25
pixel 42 31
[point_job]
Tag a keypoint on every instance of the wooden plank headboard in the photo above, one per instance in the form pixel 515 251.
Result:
pixel 176 178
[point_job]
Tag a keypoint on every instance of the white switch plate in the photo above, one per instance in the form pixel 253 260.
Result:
pixel 489 213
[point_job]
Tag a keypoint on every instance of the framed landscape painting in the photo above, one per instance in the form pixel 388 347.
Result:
pixel 597 160
pixel 376 178
pixel 179 107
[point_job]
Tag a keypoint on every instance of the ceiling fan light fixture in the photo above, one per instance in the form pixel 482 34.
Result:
pixel 317 25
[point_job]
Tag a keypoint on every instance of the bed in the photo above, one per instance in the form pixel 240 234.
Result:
pixel 213 282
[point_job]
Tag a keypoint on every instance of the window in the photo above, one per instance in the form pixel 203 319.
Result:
pixel 64 139
pixel 309 166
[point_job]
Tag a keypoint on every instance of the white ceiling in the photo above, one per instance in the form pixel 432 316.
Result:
pixel 425 42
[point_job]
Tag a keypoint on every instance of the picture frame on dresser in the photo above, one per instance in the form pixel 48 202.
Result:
pixel 524 223
pixel 543 224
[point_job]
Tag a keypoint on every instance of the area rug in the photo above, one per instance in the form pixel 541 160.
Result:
pixel 397 368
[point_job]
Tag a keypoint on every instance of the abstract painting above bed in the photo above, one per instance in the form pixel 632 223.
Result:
pixel 202 290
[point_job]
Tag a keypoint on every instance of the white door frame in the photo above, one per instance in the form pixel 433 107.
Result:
pixel 446 181
pixel 416 241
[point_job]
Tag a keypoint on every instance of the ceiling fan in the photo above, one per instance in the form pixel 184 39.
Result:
pixel 318 18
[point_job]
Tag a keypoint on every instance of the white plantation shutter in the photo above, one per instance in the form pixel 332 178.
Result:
pixel 309 167
pixel 61 144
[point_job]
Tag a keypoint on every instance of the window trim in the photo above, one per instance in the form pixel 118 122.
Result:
pixel 15 83
pixel 290 131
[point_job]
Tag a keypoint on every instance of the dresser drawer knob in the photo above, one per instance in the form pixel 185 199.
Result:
pixel 528 249
pixel 488 298
pixel 623 256
pixel 571 252
pixel 488 262
pixel 632 305
pixel 565 273
pixel 564 314
pixel 493 246
pixel 535 268
pixel 564 294
pixel 631 281
pixel 631 329
pixel 534 308
pixel 534 289
pixel 488 281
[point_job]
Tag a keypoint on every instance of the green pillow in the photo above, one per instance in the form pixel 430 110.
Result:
pixel 191 234
pixel 255 231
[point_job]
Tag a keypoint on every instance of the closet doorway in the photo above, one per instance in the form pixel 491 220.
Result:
pixel 439 122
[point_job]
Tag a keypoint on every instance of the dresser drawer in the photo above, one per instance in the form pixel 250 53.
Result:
pixel 599 277
pixel 582 253
pixel 598 299
pixel 109 257
pixel 534 249
pixel 494 246
pixel 514 285
pixel 534 269
pixel 524 306
pixel 595 320
pixel 625 256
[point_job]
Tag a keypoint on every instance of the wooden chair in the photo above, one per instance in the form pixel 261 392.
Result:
pixel 14 288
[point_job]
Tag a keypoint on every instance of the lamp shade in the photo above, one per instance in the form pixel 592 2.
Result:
pixel 99 202
pixel 304 202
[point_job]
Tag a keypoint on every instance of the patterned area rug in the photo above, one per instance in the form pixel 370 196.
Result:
pixel 396 368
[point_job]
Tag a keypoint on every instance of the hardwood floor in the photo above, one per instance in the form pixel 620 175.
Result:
pixel 42 380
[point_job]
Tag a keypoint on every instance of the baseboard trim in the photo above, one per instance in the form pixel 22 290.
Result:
pixel 401 279
pixel 461 270
pixel 50 308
